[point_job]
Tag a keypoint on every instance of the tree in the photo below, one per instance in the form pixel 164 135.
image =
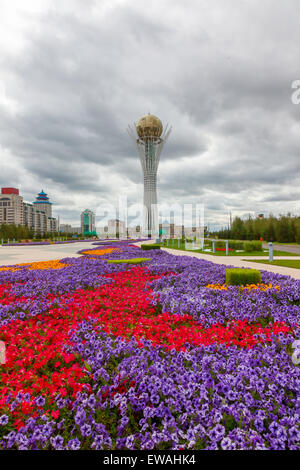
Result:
pixel 238 231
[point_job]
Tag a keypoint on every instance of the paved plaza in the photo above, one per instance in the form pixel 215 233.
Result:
pixel 27 254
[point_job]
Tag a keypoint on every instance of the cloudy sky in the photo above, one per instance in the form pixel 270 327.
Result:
pixel 75 73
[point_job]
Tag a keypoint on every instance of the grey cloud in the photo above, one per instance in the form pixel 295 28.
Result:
pixel 219 74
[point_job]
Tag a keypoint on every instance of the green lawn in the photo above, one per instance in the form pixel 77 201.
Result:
pixel 288 263
pixel 231 253
pixel 252 253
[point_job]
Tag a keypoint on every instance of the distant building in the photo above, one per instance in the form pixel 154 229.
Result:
pixel 117 228
pixel 87 222
pixel 11 207
pixel 134 232
pixel 36 216
pixel 44 222
pixel 167 230
pixel 67 228
pixel 43 204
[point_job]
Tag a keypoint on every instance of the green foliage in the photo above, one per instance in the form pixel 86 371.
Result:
pixel 240 245
pixel 219 244
pixel 21 233
pixel 238 229
pixel 236 245
pixel 128 261
pixel 90 234
pixel 242 277
pixel 229 422
pixel 253 246
pixel 283 229
pixel 153 246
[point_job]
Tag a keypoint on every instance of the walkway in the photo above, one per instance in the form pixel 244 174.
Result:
pixel 290 248
pixel 27 254
pixel 238 261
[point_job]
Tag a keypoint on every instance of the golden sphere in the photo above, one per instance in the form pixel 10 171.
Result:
pixel 149 126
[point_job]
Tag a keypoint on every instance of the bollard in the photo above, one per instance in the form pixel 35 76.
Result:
pixel 173 242
pixel 185 244
pixel 167 242
pixel 227 246
pixel 271 252
pixel 213 246
pixel 202 244
pixel 193 245
pixel 178 242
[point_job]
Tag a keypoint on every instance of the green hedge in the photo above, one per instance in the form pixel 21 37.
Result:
pixel 253 246
pixel 219 244
pixel 242 277
pixel 240 245
pixel 128 261
pixel 153 246
pixel 236 245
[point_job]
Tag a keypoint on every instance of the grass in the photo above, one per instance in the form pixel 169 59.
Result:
pixel 253 253
pixel 231 253
pixel 288 263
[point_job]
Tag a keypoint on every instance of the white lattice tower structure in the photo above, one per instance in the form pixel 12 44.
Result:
pixel 149 136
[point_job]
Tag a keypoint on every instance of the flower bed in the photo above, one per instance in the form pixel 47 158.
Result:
pixel 165 356
pixel 224 249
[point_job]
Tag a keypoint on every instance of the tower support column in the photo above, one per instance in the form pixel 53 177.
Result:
pixel 150 137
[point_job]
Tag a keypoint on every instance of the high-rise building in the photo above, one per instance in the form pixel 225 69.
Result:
pixel 42 203
pixel 87 222
pixel 36 216
pixel 11 207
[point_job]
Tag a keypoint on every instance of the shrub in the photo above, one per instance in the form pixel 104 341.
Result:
pixel 236 245
pixel 253 246
pixel 220 244
pixel 128 261
pixel 242 277
pixel 153 246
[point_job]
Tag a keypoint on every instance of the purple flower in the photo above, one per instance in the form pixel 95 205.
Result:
pixel 74 444
pixel 217 433
pixel 86 430
pixel 40 401
pixel 3 420
pixel 57 442
pixel 228 444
